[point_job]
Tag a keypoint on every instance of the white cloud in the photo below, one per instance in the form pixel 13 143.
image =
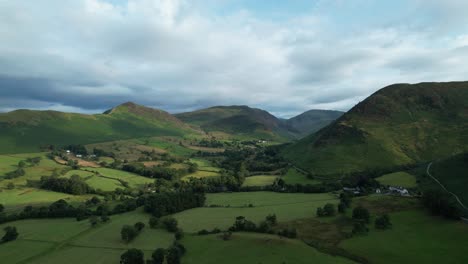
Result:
pixel 169 54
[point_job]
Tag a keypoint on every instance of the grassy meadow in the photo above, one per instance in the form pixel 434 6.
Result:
pixel 401 178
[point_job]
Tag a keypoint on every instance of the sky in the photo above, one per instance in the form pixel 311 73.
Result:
pixel 286 57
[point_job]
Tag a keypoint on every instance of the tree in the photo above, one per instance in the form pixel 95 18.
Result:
pixel 342 208
pixel 173 255
pixel 158 256
pixel 359 227
pixel 132 256
pixel 271 219
pixel 227 235
pixel 105 218
pixel 21 164
pixel 179 234
pixel 383 222
pixel 128 233
pixel 10 186
pixel 2 207
pixel 153 222
pixel 329 209
pixel 361 214
pixel 345 198
pixel 139 226
pixel 10 234
pixel 440 203
pixel 170 224
pixel 93 220
pixel 320 212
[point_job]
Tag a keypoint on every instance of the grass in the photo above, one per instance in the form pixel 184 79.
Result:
pixel 205 165
pixel 20 197
pixel 259 180
pixel 293 176
pixel 251 248
pixel 415 238
pixel 286 206
pixel 401 178
pixel 133 179
pixel 66 240
pixel 201 174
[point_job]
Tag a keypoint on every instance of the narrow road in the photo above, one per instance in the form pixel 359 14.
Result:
pixel 443 187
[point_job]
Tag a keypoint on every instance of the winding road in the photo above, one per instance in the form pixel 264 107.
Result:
pixel 443 187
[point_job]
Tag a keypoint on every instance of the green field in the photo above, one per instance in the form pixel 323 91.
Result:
pixel 66 240
pixel 293 176
pixel 415 238
pixel 201 174
pixel 259 180
pixel 20 197
pixel 133 179
pixel 401 178
pixel 285 206
pixel 252 248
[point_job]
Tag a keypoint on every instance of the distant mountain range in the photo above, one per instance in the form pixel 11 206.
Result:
pixel 399 124
pixel 247 121
pixel 27 130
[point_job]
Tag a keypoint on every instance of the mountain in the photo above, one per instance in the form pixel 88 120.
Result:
pixel 398 125
pixel 239 121
pixel 27 130
pixel 311 121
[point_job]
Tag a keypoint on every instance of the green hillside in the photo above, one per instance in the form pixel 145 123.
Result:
pixel 240 121
pixel 311 121
pixel 453 174
pixel 399 124
pixel 27 130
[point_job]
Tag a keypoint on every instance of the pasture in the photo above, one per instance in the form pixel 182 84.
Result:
pixel 400 178
pixel 66 240
pixel 259 180
pixel 293 176
pixel 230 205
pixel 252 248
pixel 415 237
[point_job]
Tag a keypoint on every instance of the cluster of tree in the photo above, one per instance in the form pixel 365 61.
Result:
pixel 207 232
pixel 266 226
pixel 161 204
pixel 327 210
pixel 128 232
pixel 103 153
pixel 172 255
pixel 441 203
pixel 345 202
pixel 212 143
pixel 361 218
pixel 15 174
pixel 223 183
pixel 280 186
pixel 76 149
pixel 254 159
pixel 383 222
pixel 10 234
pixel 61 209
pixel 73 185
pixel 156 171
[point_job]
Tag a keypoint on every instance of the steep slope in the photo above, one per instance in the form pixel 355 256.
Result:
pixel 397 125
pixel 241 121
pixel 26 130
pixel 311 121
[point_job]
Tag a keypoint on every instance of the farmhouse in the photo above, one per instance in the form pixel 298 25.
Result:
pixel 399 190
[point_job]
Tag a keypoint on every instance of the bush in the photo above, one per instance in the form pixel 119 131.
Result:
pixel 153 222
pixel 170 224
pixel 383 222
pixel 132 256
pixel 10 234
pixel 361 214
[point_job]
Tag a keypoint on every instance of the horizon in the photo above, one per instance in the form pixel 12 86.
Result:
pixel 178 55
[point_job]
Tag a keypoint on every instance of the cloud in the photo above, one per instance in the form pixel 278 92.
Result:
pixel 90 55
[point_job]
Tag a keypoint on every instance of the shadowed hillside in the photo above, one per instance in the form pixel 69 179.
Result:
pixel 399 124
pixel 311 121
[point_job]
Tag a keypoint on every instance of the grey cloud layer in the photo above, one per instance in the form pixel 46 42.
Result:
pixel 90 55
